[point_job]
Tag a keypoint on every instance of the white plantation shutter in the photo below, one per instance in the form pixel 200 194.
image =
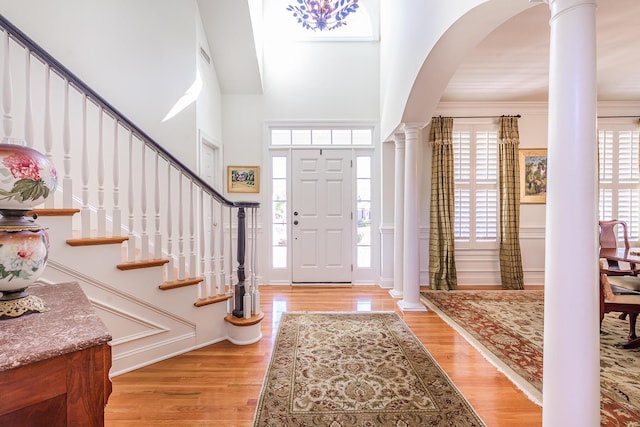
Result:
pixel 619 177
pixel 476 186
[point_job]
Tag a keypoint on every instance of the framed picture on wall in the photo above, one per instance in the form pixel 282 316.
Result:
pixel 243 179
pixel 533 175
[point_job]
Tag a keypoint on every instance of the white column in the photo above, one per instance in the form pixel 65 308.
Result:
pixel 411 253
pixel 398 217
pixel 571 383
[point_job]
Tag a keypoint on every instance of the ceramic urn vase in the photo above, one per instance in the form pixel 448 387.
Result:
pixel 26 179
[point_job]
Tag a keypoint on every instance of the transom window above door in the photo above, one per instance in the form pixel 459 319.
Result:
pixel 322 136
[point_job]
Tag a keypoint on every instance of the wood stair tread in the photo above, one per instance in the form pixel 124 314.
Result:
pixel 89 241
pixel 54 212
pixel 211 300
pixel 256 318
pixel 142 264
pixel 174 284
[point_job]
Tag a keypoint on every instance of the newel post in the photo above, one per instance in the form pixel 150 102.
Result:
pixel 239 287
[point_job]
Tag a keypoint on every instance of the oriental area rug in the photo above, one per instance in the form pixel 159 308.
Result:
pixel 507 328
pixel 356 369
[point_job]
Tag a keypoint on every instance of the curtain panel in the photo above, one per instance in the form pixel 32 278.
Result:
pixel 511 274
pixel 442 266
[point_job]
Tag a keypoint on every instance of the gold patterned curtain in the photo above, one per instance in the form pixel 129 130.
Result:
pixel 511 274
pixel 442 265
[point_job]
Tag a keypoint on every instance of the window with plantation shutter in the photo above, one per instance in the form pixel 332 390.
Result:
pixel 475 186
pixel 619 178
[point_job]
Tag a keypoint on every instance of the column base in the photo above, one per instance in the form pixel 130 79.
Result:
pixel 395 293
pixel 410 306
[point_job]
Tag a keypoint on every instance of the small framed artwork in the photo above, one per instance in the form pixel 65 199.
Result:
pixel 533 176
pixel 243 179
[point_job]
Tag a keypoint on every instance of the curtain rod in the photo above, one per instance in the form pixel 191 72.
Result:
pixel 619 117
pixel 480 117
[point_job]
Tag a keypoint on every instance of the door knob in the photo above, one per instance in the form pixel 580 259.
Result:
pixel 295 222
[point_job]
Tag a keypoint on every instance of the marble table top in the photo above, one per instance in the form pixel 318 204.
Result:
pixel 69 324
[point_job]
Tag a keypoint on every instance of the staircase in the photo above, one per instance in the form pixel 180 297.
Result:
pixel 158 268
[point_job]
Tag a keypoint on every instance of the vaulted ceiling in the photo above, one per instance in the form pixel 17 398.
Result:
pixel 511 64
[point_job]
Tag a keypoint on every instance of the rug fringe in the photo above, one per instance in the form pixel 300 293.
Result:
pixel 523 385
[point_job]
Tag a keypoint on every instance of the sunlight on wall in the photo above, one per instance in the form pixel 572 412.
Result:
pixel 190 96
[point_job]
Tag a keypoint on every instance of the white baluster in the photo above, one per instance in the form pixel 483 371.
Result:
pixel 192 233
pixel 28 113
pixel 222 281
pixel 202 272
pixel 255 292
pixel 117 213
pixel 181 256
pixel 7 91
pixel 67 187
pixel 48 130
pixel 170 267
pixel 85 211
pixel 131 243
pixel 102 213
pixel 144 236
pixel 157 241
pixel 212 274
pixel 230 254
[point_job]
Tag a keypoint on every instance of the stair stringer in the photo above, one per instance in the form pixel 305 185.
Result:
pixel 147 324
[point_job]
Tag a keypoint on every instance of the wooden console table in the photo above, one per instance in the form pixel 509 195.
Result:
pixel 54 366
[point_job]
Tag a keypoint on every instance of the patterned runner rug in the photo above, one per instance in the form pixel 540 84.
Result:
pixel 507 327
pixel 356 369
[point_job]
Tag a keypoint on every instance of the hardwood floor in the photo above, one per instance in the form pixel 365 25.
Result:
pixel 219 385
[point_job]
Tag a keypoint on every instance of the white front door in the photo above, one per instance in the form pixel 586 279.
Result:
pixel 321 216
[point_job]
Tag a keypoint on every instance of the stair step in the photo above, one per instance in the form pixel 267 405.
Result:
pixel 180 283
pixel 211 300
pixel 54 212
pixel 89 241
pixel 256 318
pixel 142 264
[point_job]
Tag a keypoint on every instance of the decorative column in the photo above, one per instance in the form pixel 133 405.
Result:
pixel 411 253
pixel 571 383
pixel 398 217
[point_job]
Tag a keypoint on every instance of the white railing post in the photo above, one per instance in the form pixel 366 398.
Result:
pixel 7 91
pixel 117 213
pixel 192 233
pixel 101 214
pixel 28 113
pixel 181 255
pixel 157 241
pixel 170 266
pixel 48 130
pixel 211 274
pixel 67 187
pixel 144 236
pixel 202 272
pixel 85 211
pixel 131 243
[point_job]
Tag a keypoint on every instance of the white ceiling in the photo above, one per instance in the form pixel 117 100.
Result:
pixel 511 64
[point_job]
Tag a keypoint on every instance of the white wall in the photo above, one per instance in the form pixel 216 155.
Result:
pixel 139 56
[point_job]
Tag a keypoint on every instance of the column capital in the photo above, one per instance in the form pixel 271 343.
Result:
pixel 558 7
pixel 411 130
pixel 399 138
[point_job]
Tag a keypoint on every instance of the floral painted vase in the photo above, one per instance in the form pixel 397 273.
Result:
pixel 23 258
pixel 26 177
